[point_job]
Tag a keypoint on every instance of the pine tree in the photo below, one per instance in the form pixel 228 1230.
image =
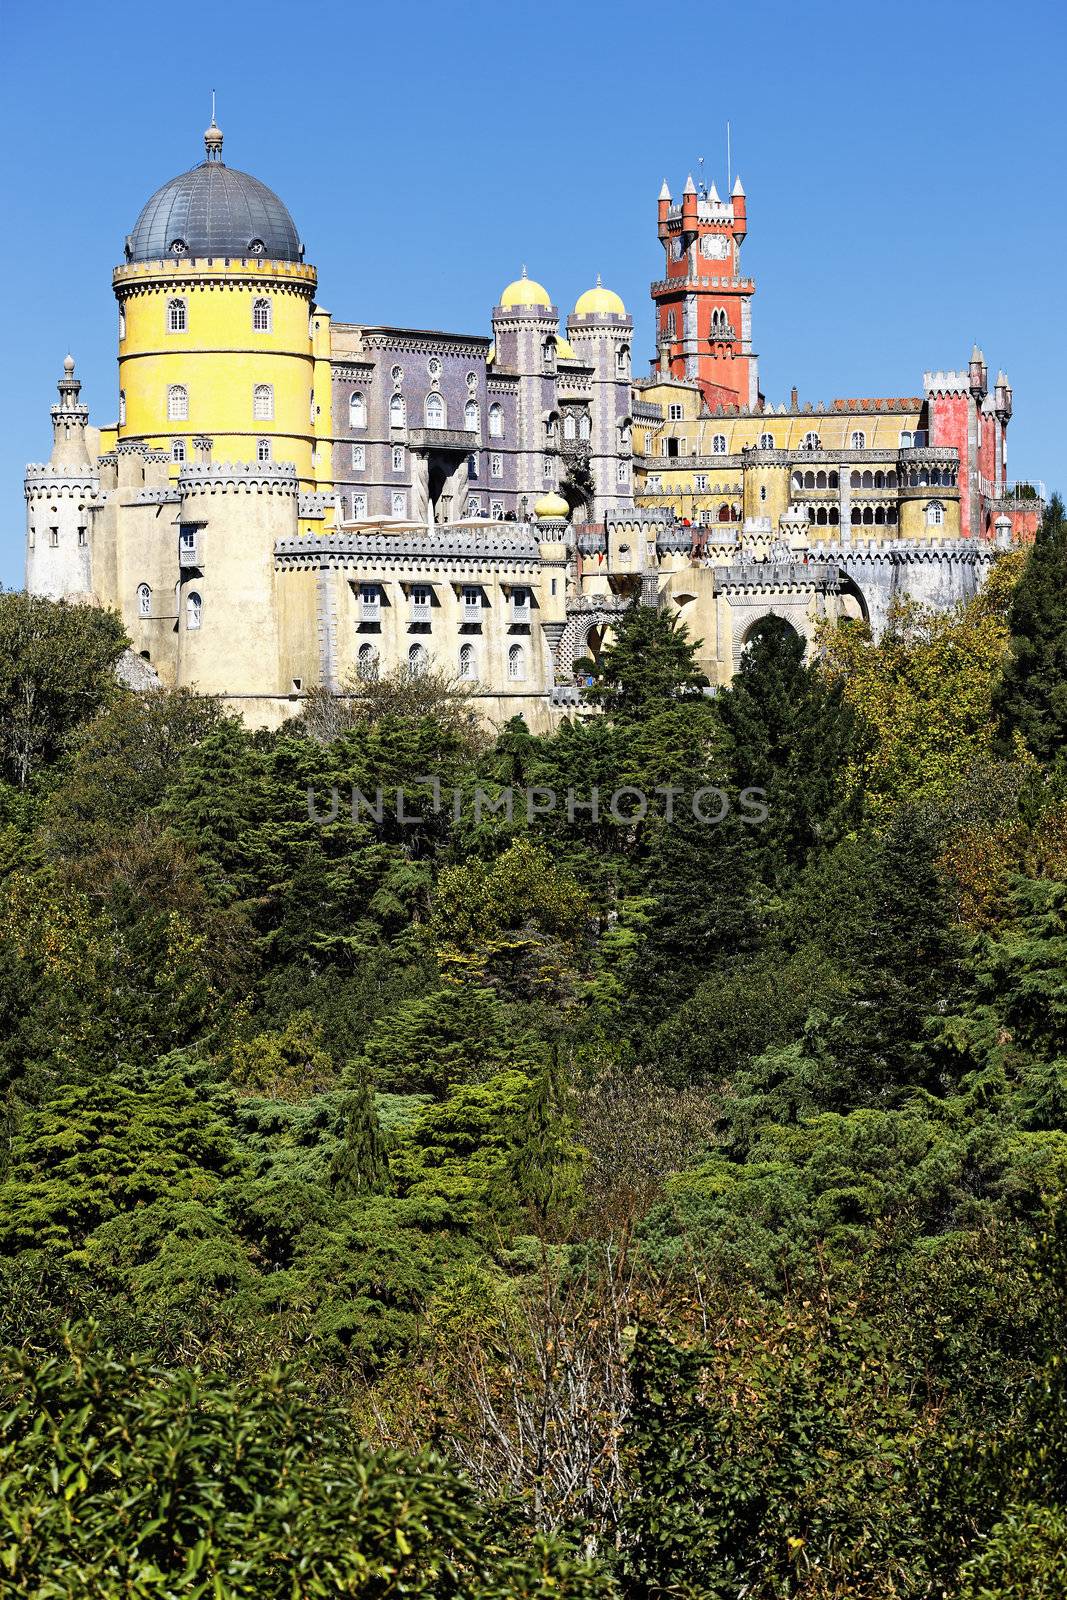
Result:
pixel 359 1164
pixel 650 663
pixel 792 735
pixel 1032 699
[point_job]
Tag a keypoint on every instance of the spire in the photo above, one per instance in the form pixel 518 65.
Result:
pixel 69 419
pixel 737 188
pixel 713 194
pixel 213 136
pixel 690 186
pixel 976 354
pixel 664 193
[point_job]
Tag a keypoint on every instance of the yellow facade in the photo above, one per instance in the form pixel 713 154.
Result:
pixel 212 349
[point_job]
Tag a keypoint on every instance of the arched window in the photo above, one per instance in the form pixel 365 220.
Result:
pixel 622 361
pixel 820 480
pixel 906 439
pixel 858 441
pixel 569 427
pixel 854 480
pixel 122 322
pixel 144 601
pixel 435 411
pixel 812 441
pixel 176 318
pixel 833 481
pixel 177 403
pixel 193 608
pixel 516 663
pixel 368 663
pixel 766 441
pixel 470 416
pixel 548 355
pixel 583 430
pixel 396 411
pixel 263 452
pixel 496 421
pixel 263 402
pixel 466 661
pixel 718 445
pixel 262 317
pixel 418 660
pixel 122 408
pixel 935 514
pixel 357 411
pixel 177 449
pixel 868 480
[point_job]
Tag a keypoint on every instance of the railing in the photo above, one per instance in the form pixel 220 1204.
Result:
pixel 444 439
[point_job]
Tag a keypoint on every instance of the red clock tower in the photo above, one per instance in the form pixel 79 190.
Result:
pixel 704 305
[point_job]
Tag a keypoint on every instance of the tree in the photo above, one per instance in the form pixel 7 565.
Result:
pixel 650 662
pixel 792 735
pixel 57 668
pixel 1031 699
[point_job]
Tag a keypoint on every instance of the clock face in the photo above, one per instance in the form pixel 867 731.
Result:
pixel 714 246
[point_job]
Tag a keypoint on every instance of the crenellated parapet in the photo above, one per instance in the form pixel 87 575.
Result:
pixel 242 477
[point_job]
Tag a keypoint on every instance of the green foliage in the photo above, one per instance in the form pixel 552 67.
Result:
pixel 650 661
pixel 1031 701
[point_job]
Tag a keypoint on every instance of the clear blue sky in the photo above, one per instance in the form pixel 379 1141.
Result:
pixel 904 170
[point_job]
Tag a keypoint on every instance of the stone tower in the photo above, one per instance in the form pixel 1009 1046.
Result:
pixel 602 336
pixel 704 304
pixel 60 496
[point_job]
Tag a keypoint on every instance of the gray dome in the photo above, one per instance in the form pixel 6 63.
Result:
pixel 214 210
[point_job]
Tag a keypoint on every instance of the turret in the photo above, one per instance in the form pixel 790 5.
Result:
pixel 70 450
pixel 740 210
pixel 977 376
pixel 1002 397
pixel 664 208
pixel 689 206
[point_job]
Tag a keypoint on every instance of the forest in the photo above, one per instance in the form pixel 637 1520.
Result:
pixel 474 1203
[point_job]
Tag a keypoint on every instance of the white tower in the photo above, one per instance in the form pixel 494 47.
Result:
pixel 60 496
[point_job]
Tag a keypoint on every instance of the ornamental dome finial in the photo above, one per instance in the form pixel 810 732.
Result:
pixel 68 365
pixel 213 135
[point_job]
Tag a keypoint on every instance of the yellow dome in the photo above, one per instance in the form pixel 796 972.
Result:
pixel 525 292
pixel 551 507
pixel 491 357
pixel 564 349
pixel 599 302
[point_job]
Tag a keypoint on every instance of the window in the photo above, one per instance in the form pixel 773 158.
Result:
pixel 935 514
pixel 472 603
pixel 763 491
pixel 83 538
pixel 570 428
pixel 53 538
pixel 397 374
pixel 311 417
pixel 399 503
pixel 812 441
pixel 906 439
pixel 655 483
pixel 675 412
pixel 370 602
pixel 144 601
pixel 858 441
pixel 671 325
pixel 357 411
pixel 398 458
pixel 520 604
pixel 466 661
pixel 359 506
pixel 496 466
pixel 359 456
pixel 418 660
pixel 263 402
pixel 496 422
pixel 516 663
pixel 367 662
pixel 396 411
pixel 122 322
pixel 548 355
pixel 177 449
pixel 700 482
pixel 435 411
pixel 262 316
pixel 421 602
pixel 193 609
pixel 474 508
pixel 496 511
pixel 177 403
pixel 622 473
pixel 433 367
pixel 718 445
pixel 622 361
pixel 122 408
pixel 176 318
pixel 766 441
pixel 583 429
pixel 263 450
pixel 470 416
pixel 472 466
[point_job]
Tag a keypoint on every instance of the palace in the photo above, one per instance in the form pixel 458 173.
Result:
pixel 287 500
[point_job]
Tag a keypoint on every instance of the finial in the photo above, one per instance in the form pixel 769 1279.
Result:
pixel 599 281
pixel 522 274
pixel 68 364
pixel 213 136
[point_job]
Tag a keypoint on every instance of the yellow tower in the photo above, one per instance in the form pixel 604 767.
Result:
pixel 219 354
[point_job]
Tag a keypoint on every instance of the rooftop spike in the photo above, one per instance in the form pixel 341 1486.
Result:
pixel 690 186
pixel 738 187
pixel 713 194
pixel 664 193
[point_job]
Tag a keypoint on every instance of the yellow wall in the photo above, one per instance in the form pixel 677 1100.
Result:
pixel 220 358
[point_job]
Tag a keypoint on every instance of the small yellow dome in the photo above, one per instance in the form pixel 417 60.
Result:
pixel 525 292
pixel 599 302
pixel 491 357
pixel 551 507
pixel 564 349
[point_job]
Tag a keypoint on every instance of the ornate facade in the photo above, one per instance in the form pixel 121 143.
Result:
pixel 288 500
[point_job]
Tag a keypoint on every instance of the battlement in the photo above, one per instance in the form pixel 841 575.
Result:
pixel 208 477
pixel 903 551
pixel 946 382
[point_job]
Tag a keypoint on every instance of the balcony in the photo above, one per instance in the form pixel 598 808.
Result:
pixel 189 548
pixel 454 439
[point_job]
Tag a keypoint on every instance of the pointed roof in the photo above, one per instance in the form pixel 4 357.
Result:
pixel 976 354
pixel 690 186
pixel 738 187
pixel 713 194
pixel 664 193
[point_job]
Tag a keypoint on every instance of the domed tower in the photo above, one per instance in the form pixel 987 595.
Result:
pixel 526 340
pixel 216 340
pixel 602 336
